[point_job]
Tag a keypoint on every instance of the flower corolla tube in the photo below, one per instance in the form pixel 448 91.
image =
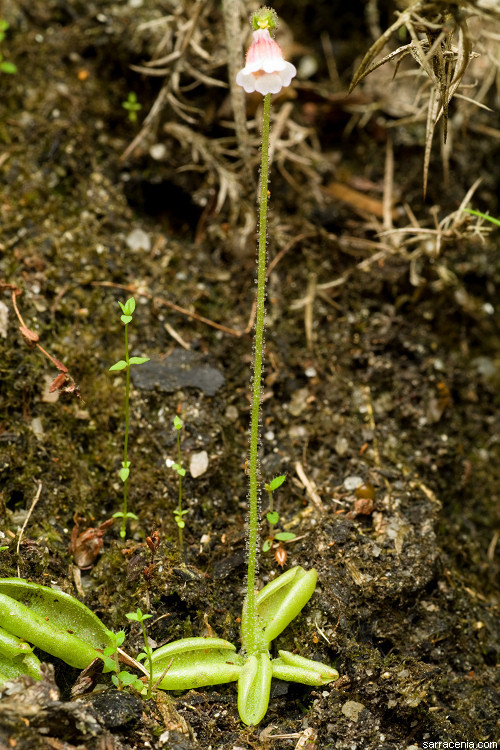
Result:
pixel 265 69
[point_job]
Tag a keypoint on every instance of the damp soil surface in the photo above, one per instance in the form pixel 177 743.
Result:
pixel 381 386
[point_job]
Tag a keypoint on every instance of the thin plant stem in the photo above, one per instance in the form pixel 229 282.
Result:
pixel 123 530
pixel 271 509
pixel 148 656
pixel 253 524
pixel 179 505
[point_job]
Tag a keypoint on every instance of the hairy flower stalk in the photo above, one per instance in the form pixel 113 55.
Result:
pixel 266 72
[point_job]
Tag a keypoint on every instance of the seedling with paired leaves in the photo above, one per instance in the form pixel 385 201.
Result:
pixel 273 518
pixel 125 364
pixel 179 513
pixel 147 654
pixel 132 106
pixel 121 677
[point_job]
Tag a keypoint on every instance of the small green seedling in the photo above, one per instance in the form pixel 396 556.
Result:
pixel 121 678
pixel 179 513
pixel 273 518
pixel 132 106
pixel 483 216
pixel 5 65
pixel 124 364
pixel 148 651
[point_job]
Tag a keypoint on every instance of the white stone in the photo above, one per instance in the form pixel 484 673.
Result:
pixel 158 151
pixel 138 239
pixel 198 464
pixel 352 482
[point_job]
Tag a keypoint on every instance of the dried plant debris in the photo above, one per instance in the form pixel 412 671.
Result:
pixel 442 47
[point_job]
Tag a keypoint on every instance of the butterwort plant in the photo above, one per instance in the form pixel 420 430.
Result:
pixel 125 364
pixel 60 625
pixel 196 662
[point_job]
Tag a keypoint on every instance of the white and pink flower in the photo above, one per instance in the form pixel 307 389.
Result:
pixel 265 69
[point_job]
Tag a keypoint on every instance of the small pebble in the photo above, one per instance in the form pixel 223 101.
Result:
pixel 158 151
pixel 138 239
pixel 352 482
pixel 352 709
pixel 232 413
pixel 341 446
pixel 198 464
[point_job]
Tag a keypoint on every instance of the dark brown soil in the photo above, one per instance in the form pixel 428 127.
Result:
pixel 381 384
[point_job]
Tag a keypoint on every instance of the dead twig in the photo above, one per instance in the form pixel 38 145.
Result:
pixel 63 382
pixel 311 489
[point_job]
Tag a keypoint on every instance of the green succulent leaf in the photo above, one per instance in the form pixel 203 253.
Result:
pixel 195 662
pixel 126 319
pixel 280 601
pixel 51 620
pixel 254 688
pixel 295 668
pixel 138 360
pixel 11 646
pixel 273 517
pixel 10 669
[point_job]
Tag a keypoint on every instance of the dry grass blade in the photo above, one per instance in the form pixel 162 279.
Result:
pixel 376 47
pixel 444 65
pixel 429 134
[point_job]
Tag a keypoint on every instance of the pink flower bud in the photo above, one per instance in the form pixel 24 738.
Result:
pixel 265 70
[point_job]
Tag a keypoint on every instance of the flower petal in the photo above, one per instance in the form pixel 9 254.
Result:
pixel 265 69
pixel 268 83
